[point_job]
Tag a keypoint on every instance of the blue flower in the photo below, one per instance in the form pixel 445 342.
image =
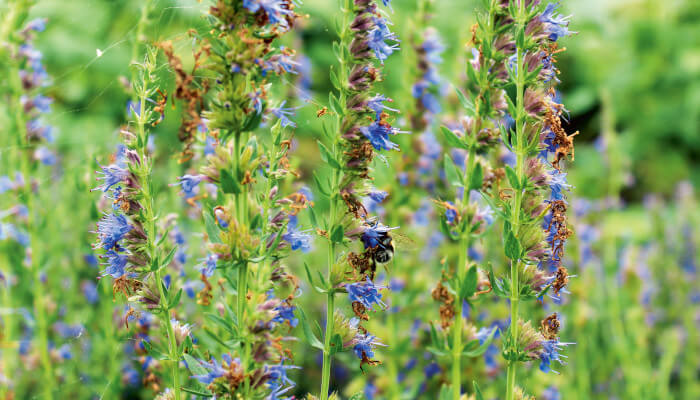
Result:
pixel 370 237
pixel 38 25
pixel 45 156
pixel 364 345
pixel 558 184
pixel 189 184
pixel 365 293
pixel 550 352
pixel 484 333
pixel 284 113
pixel 431 370
pixel 551 393
pixel 378 135
pixel 116 264
pixel 285 312
pixel 6 184
pixel 209 265
pixel 376 104
pixel 377 196
pixel 278 381
pixel 276 10
pixel 450 215
pixel 555 25
pixel 111 229
pixel 214 370
pixel 297 239
pixel 111 175
pixel 378 37
pixel 90 292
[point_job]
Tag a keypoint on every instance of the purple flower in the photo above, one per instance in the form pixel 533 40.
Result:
pixel 376 104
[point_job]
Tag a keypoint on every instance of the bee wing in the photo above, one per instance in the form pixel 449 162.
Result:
pixel 403 242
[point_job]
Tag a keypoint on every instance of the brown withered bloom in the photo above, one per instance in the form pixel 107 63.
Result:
pixel 549 327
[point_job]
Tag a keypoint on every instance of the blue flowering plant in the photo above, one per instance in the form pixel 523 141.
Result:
pixel 239 188
pixel 360 128
pixel 134 254
pixel 533 205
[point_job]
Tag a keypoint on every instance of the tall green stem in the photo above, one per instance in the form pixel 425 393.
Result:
pixel 517 200
pixel 330 299
pixel 150 227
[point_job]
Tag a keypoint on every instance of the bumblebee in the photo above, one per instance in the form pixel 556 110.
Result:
pixel 383 253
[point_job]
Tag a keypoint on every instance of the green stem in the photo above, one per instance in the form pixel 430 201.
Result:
pixel 517 200
pixel 457 344
pixel 150 227
pixel 326 371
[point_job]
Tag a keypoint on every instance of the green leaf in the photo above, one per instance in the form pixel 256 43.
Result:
pixel 176 300
pixel 452 139
pixel 228 184
pixel 512 247
pixel 336 344
pixel 321 187
pixel 477 392
pixel 337 234
pixel 194 366
pixel 310 337
pixel 197 392
pixel 512 178
pixel 477 177
pixel 168 258
pixel 312 217
pixel 468 287
pixel 464 100
pixel 454 176
pixel 211 227
pixel 481 349
pixel 327 156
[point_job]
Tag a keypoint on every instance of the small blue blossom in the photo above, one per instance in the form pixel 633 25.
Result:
pixel 297 239
pixel 111 175
pixel 276 10
pixel 555 25
pixel 89 290
pixel 214 370
pixel 550 352
pixel 209 265
pixel 365 345
pixel 378 135
pixel 111 229
pixel 376 104
pixel 365 293
pixel 284 113
pixel 431 370
pixel 116 264
pixel 285 312
pixel 378 37
pixel 558 184
pixel 189 185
